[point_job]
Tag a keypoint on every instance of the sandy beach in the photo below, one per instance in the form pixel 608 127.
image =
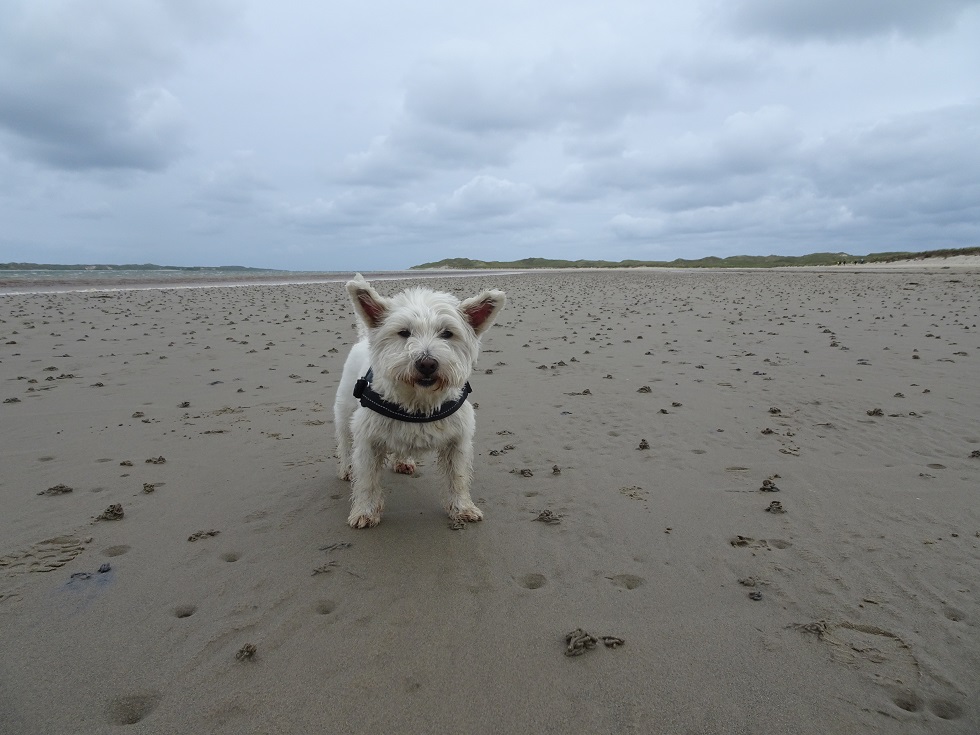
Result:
pixel 765 483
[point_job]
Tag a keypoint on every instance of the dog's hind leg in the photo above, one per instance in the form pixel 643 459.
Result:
pixel 456 462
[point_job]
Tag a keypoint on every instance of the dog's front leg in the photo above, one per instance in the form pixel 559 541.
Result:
pixel 345 444
pixel 367 495
pixel 456 462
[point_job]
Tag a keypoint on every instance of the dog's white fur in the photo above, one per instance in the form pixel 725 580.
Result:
pixel 397 334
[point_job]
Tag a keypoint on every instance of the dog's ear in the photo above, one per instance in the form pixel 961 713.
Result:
pixel 370 306
pixel 480 311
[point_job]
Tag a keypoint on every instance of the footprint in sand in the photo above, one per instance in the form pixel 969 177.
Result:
pixel 945 709
pixel 324 607
pixel 128 710
pixel 952 613
pixel 879 653
pixel 44 556
pixel 626 581
pixel 909 701
pixel 532 581
pixel 747 542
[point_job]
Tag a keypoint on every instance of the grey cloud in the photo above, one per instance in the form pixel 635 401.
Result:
pixel 770 224
pixel 499 130
pixel 458 93
pixel 723 64
pixel 415 149
pixel 904 179
pixel 630 227
pixel 96 211
pixel 472 110
pixel 234 182
pixel 97 129
pixel 940 147
pixel 485 206
pixel 844 19
pixel 694 166
pixel 746 143
pixel 488 197
pixel 349 210
pixel 84 86
pixel 479 207
pixel 598 146
pixel 474 89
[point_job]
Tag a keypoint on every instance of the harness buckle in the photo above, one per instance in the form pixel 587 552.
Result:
pixel 359 387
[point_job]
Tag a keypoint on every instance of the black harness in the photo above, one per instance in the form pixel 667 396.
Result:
pixel 370 399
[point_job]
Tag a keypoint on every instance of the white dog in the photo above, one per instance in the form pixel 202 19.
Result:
pixel 403 391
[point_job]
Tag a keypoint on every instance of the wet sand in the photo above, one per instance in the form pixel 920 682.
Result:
pixel 762 483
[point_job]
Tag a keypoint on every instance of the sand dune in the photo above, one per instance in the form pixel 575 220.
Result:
pixel 850 394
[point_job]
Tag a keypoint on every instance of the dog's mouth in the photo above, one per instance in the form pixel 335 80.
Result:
pixel 426 382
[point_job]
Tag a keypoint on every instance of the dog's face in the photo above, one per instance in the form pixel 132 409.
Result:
pixel 424 343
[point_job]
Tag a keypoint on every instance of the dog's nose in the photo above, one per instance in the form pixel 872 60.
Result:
pixel 427 366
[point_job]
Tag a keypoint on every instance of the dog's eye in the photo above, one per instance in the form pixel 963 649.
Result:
pixel 405 334
pixel 446 334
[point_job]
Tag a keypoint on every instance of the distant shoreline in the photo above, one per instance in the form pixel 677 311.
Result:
pixel 467 264
pixel 99 267
pixel 65 281
pixel 117 278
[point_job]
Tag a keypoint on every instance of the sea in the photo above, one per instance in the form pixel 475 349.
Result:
pixel 65 281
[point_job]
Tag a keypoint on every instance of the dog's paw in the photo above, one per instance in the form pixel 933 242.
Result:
pixel 364 520
pixel 404 466
pixel 469 513
pixel 346 474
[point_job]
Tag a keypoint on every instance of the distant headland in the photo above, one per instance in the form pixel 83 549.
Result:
pixel 734 261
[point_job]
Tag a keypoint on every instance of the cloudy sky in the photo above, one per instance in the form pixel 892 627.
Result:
pixel 382 134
